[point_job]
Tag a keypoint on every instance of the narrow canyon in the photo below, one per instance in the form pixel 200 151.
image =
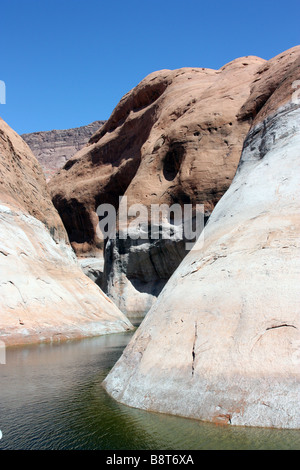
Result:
pixel 219 340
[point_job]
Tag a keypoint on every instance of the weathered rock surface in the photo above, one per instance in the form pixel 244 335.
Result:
pixel 174 138
pixel 93 268
pixel 44 295
pixel 222 341
pixel 54 148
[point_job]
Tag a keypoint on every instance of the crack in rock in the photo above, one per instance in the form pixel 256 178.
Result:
pixel 193 350
pixel 281 326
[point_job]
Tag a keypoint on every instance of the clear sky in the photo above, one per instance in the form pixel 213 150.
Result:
pixel 67 63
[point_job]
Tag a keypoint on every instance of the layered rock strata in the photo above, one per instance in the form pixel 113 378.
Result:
pixel 221 343
pixel 44 295
pixel 54 148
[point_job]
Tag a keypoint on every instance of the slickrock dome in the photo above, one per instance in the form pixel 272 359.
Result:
pixel 174 138
pixel 221 343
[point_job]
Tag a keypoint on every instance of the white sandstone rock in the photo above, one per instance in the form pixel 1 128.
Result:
pixel 222 341
pixel 44 295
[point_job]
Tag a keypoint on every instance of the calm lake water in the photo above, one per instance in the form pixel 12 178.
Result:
pixel 51 398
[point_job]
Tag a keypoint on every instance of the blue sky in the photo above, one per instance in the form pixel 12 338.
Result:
pixel 67 63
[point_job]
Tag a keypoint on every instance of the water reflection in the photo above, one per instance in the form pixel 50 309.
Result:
pixel 51 397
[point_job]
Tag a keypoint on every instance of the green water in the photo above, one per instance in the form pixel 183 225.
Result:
pixel 51 398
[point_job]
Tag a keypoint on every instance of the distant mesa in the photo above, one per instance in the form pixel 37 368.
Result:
pixel 54 148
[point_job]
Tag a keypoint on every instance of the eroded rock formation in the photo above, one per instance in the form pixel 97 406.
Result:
pixel 174 138
pixel 221 343
pixel 44 296
pixel 54 148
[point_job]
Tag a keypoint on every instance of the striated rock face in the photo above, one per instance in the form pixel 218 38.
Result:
pixel 222 341
pixel 175 138
pixel 54 148
pixel 44 295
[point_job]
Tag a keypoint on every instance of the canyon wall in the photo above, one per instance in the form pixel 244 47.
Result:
pixel 44 295
pixel 221 343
